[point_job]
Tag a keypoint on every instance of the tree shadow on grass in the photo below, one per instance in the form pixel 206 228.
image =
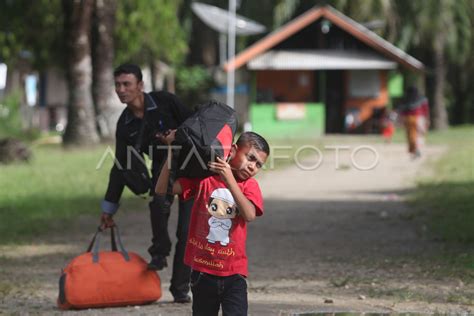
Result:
pixel 448 208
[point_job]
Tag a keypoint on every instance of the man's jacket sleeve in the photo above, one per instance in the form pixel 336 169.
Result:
pixel 110 204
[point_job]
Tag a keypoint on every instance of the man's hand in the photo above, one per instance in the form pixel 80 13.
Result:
pixel 167 137
pixel 106 221
pixel 223 168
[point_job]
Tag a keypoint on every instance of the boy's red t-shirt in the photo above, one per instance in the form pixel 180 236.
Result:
pixel 217 245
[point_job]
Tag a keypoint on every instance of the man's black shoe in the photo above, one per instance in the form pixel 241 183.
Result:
pixel 157 263
pixel 183 299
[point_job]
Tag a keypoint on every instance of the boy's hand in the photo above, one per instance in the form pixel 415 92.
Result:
pixel 221 167
pixel 167 137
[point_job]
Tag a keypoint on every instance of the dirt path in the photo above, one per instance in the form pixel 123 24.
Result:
pixel 331 240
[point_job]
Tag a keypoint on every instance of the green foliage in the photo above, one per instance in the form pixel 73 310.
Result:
pixel 446 197
pixel 284 10
pixel 460 40
pixel 448 25
pixel 11 121
pixel 34 26
pixel 149 30
pixel 192 78
pixel 10 118
pixel 422 22
pixel 192 84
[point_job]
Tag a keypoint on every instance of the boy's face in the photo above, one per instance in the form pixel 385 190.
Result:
pixel 246 161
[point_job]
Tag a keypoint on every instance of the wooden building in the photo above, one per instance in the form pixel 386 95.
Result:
pixel 321 73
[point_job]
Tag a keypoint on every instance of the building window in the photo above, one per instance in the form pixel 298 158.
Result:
pixel 364 83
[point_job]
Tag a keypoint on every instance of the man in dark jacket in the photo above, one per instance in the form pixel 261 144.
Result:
pixel 159 112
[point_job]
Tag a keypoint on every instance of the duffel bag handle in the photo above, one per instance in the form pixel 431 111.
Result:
pixel 112 239
pixel 94 245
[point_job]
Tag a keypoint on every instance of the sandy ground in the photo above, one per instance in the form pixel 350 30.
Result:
pixel 333 239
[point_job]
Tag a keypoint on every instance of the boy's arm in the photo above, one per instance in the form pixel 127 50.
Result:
pixel 161 187
pixel 245 206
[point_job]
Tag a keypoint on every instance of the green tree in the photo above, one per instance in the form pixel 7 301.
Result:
pixel 441 29
pixel 148 31
pixel 460 72
pixel 33 26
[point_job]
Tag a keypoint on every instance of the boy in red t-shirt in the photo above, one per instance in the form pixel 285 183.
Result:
pixel 223 204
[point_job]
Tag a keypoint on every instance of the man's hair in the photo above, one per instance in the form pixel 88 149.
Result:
pixel 129 69
pixel 254 140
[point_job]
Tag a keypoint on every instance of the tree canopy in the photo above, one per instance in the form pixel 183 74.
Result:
pixel 32 30
pixel 438 32
pixel 148 30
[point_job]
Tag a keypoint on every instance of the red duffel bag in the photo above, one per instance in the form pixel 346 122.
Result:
pixel 107 278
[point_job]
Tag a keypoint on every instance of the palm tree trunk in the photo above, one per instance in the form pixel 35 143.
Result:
pixel 440 114
pixel 107 106
pixel 81 128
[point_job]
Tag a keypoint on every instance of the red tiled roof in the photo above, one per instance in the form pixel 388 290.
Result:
pixel 345 23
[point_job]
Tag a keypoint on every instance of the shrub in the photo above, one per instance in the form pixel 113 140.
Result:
pixel 193 84
pixel 10 118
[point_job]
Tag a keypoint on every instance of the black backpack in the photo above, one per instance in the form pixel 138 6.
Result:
pixel 207 134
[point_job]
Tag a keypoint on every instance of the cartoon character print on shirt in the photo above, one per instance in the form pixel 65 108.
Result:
pixel 222 209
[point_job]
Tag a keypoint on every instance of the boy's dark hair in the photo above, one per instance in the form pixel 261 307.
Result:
pixel 129 69
pixel 254 140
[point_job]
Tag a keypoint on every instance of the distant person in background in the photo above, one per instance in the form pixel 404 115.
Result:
pixel 387 123
pixel 415 113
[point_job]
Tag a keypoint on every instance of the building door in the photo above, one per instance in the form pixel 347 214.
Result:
pixel 334 100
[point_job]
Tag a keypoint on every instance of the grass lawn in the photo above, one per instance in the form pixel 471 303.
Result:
pixel 54 188
pixel 447 196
